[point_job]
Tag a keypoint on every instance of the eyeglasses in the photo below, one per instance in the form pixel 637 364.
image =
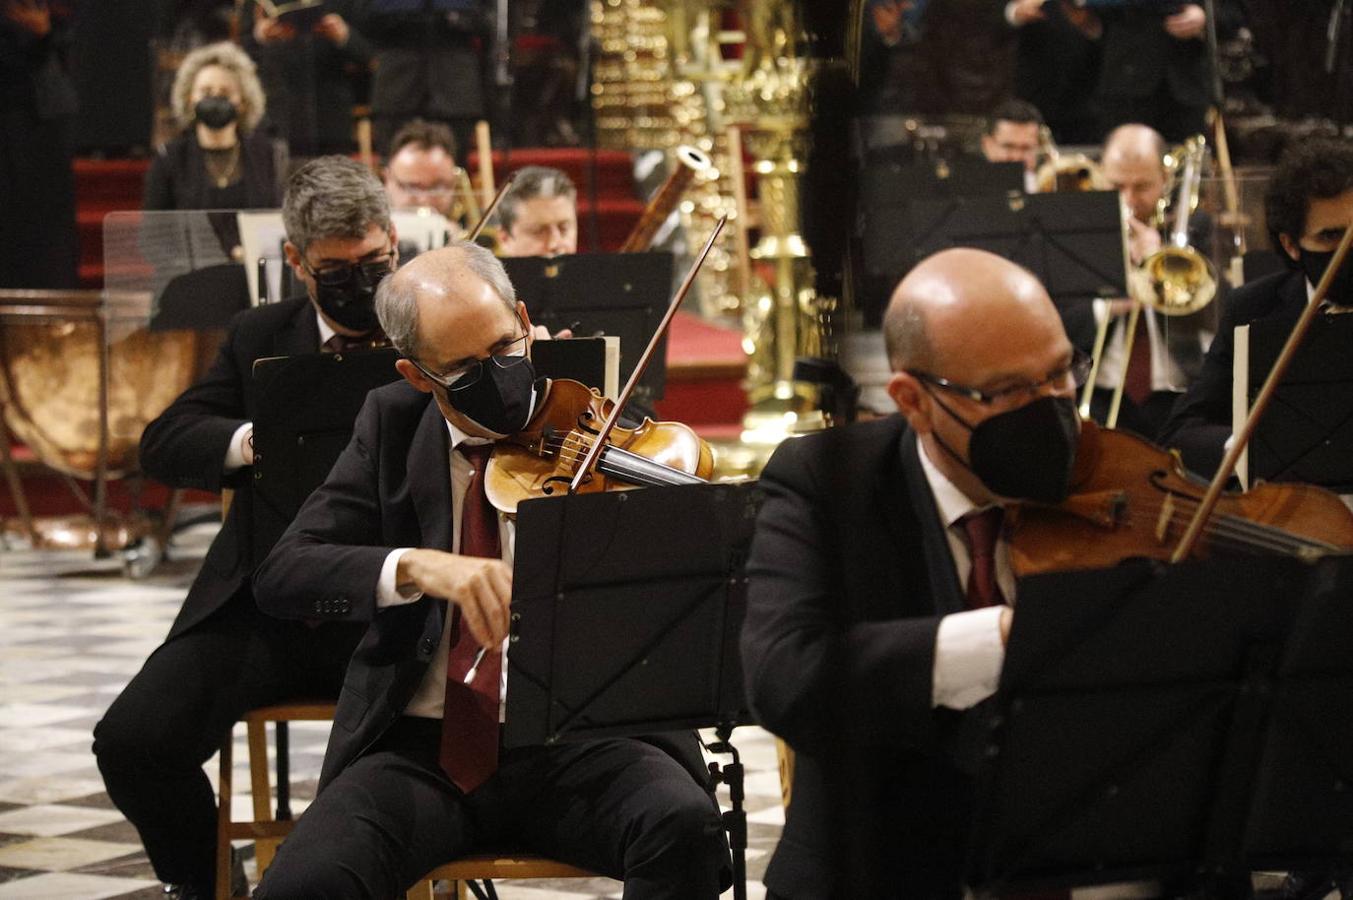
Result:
pixel 1068 378
pixel 337 276
pixel 458 379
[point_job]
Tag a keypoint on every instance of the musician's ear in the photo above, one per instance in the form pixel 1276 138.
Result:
pixel 414 376
pixel 912 401
pixel 1290 247
pixel 294 258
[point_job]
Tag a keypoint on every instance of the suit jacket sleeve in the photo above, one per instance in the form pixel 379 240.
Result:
pixel 1200 422
pixel 186 445
pixel 814 672
pixel 327 563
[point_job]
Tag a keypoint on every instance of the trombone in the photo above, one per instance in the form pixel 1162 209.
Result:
pixel 1067 172
pixel 1176 280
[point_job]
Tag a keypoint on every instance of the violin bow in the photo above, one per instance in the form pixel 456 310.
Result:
pixel 1242 437
pixel 492 208
pixel 599 442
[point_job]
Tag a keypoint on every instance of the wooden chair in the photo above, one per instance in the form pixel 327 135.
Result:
pixel 490 866
pixel 265 830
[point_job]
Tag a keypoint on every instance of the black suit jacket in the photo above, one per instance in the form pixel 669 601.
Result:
pixel 390 488
pixel 313 85
pixel 1139 54
pixel 426 62
pixel 1201 420
pixel 177 178
pixel 186 445
pixel 850 572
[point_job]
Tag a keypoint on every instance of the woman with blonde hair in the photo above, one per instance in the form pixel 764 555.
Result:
pixel 219 161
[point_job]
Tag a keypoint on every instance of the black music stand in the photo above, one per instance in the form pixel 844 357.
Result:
pixel 1073 242
pixel 1143 727
pixel 626 621
pixel 620 294
pixel 305 408
pixel 1307 432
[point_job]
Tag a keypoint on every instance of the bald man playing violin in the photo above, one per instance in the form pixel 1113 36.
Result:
pixel 401 536
pixel 880 583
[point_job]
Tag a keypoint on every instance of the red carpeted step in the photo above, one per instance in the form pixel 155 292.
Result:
pixel 110 183
pixel 705 369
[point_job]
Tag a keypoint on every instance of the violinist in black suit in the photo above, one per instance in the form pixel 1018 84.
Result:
pixel 1308 205
pixel 401 538
pixel 879 579
pixel 222 656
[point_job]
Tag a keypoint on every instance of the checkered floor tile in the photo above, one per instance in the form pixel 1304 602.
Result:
pixel 72 633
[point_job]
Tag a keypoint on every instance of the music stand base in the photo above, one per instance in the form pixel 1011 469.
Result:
pixel 735 819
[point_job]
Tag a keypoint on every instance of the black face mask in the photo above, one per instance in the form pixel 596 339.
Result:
pixel 499 402
pixel 352 303
pixel 1027 453
pixel 1314 263
pixel 215 112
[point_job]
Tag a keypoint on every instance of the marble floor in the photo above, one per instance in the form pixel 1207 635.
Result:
pixel 72 633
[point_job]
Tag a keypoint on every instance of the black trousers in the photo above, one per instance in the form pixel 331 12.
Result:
pixel 179 708
pixel 622 808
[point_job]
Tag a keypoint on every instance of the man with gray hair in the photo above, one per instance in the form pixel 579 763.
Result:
pixel 402 538
pixel 223 656
pixel 538 216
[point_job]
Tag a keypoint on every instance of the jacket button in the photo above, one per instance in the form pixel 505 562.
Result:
pixel 426 646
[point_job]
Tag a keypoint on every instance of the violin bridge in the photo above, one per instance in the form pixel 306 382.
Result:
pixel 1164 519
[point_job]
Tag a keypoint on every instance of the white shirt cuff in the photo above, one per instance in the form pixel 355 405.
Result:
pixel 1010 13
pixel 968 657
pixel 387 591
pixel 235 452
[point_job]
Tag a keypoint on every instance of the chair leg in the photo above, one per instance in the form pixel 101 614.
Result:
pixel 261 789
pixel 223 822
pixel 420 891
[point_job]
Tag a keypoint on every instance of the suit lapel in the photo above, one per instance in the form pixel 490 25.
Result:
pixel 1292 299
pixel 300 334
pixel 911 492
pixel 429 477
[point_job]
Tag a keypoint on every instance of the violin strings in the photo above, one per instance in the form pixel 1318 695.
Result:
pixel 1257 531
pixel 620 462
pixel 1236 532
pixel 1227 530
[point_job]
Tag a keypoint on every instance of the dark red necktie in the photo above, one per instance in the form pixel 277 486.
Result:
pixel 1137 383
pixel 469 748
pixel 983 528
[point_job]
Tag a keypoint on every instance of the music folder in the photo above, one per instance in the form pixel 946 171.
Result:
pixel 1182 723
pixel 1306 434
pixel 620 294
pixel 1074 242
pixel 626 618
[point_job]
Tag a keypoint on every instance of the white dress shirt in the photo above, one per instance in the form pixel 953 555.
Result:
pixel 1166 375
pixel 428 698
pixel 969 652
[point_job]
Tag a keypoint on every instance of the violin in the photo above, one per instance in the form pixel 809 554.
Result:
pixel 543 458
pixel 1130 498
pixel 574 444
